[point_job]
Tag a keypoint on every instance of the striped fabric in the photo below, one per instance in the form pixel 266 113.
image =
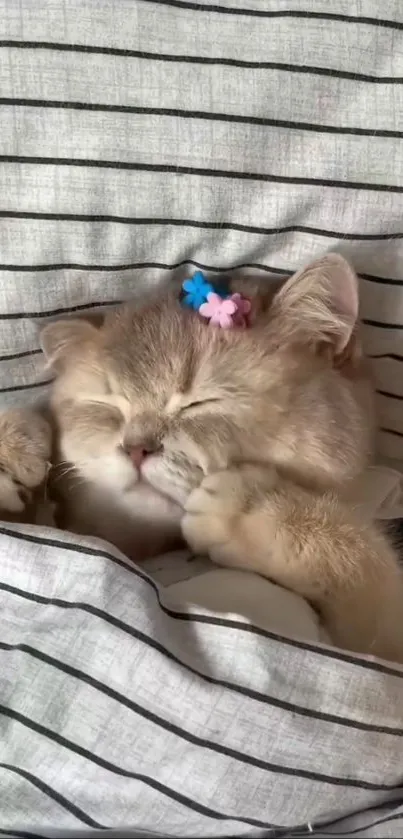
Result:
pixel 119 709
pixel 141 139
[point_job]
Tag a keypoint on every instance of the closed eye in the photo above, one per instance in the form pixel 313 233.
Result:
pixel 200 403
pixel 117 403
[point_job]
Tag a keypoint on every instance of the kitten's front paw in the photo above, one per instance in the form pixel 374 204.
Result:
pixel 215 510
pixel 210 510
pixel 25 450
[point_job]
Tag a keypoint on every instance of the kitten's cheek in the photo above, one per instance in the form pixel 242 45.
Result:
pixel 114 472
pixel 165 477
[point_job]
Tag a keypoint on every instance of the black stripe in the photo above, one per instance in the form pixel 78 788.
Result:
pixel 121 699
pixel 387 806
pixel 263 698
pixel 192 114
pixel 336 654
pixel 62 310
pixel 125 773
pixel 134 266
pixel 357 830
pixel 203 225
pixel 88 49
pixel 55 796
pixel 381 324
pixel 24 354
pixel 390 355
pixel 373 278
pixel 391 431
pixel 230 10
pixel 31 386
pixel 197 171
pixel 390 395
pixel 22 834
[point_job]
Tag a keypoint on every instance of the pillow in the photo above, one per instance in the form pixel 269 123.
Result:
pixel 141 140
pixel 121 708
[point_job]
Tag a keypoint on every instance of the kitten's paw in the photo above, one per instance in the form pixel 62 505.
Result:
pixel 210 510
pixel 25 451
pixel 215 510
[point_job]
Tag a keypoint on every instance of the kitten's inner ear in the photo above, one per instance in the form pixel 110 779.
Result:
pixel 319 304
pixel 64 339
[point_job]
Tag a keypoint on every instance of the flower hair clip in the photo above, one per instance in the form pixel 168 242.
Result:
pixel 196 291
pixel 224 310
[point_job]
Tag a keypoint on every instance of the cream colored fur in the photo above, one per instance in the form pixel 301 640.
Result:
pixel 255 433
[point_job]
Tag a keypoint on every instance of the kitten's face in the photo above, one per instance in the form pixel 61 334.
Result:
pixel 158 397
pixel 154 395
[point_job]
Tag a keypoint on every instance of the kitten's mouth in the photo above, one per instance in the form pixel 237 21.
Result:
pixel 143 481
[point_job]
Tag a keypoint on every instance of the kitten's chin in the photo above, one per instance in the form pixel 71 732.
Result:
pixel 112 483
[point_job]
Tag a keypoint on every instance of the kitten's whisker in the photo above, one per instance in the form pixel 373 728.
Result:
pixel 63 473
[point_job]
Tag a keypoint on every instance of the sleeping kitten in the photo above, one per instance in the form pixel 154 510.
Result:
pixel 254 432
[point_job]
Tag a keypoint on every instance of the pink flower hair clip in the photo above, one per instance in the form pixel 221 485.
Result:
pixel 226 312
pixel 217 306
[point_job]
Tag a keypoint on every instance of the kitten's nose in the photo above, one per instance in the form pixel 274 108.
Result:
pixel 138 454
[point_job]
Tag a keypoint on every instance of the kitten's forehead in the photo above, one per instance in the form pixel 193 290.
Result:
pixel 161 356
pixel 156 347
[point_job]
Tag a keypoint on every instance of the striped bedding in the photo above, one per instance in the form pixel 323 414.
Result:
pixel 141 139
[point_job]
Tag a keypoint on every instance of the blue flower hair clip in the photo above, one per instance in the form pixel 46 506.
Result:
pixel 217 305
pixel 196 291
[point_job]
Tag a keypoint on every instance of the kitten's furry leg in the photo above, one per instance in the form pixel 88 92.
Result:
pixel 25 451
pixel 312 544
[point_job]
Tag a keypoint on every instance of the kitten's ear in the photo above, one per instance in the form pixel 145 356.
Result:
pixel 61 339
pixel 320 303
